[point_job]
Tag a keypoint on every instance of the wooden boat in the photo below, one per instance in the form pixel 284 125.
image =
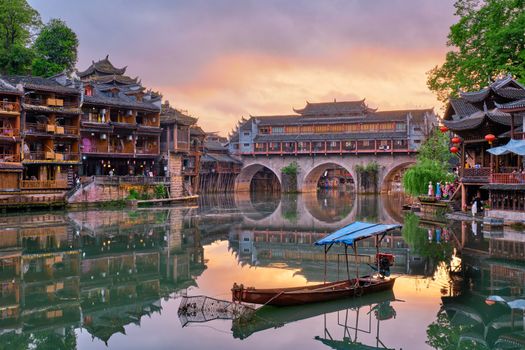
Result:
pixel 313 293
pixel 350 287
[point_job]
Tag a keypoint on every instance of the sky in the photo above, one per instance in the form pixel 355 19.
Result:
pixel 221 60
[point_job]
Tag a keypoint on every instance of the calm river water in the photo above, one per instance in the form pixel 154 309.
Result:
pixel 115 278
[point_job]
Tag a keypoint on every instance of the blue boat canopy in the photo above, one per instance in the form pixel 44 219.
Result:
pixel 513 146
pixel 354 232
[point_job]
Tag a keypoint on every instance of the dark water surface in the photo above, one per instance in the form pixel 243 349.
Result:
pixel 115 279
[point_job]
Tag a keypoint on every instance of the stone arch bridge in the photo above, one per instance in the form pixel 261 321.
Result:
pixel 311 168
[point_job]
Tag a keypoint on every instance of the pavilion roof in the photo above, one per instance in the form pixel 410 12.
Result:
pixel 331 137
pixel 114 78
pixel 478 118
pixel 103 67
pixel 331 108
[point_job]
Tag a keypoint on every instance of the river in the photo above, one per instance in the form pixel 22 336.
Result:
pixel 115 278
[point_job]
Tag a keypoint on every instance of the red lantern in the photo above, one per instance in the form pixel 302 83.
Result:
pixel 490 138
pixel 456 139
pixel 443 128
pixel 454 149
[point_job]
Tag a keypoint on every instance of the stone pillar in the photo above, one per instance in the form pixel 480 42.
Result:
pixel 176 177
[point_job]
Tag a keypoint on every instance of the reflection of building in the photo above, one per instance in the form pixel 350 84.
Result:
pixel 100 270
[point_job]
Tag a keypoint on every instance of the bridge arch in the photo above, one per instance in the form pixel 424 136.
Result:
pixel 312 176
pixel 245 177
pixel 392 179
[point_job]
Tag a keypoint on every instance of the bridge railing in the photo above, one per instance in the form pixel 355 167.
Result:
pixel 330 147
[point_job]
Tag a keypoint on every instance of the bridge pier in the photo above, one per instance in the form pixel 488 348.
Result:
pixel 312 168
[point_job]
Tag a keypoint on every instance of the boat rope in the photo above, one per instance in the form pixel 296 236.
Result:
pixel 272 298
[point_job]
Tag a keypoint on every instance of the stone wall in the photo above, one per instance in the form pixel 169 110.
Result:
pixel 176 177
pixel 99 193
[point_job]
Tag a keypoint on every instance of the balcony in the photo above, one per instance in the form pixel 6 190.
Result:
pixel 41 128
pixel 43 184
pixel 9 107
pixel 126 149
pixel 332 147
pixel 51 156
pixel 508 178
pixel 9 132
pixel 9 158
pixel 476 175
pixel 147 150
pixel 50 102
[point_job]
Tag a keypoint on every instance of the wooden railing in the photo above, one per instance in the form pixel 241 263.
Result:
pixel 121 150
pixel 49 155
pixel 7 106
pixel 9 157
pixel 145 150
pixel 50 102
pixel 508 178
pixel 9 132
pixel 325 147
pixel 32 128
pixel 43 184
pixel 481 174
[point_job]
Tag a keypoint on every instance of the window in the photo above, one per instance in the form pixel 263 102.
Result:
pixel 278 130
pixel 264 130
pixel 400 126
pixel 366 143
pixel 417 141
pixel 246 133
pixel 417 128
pixel 246 145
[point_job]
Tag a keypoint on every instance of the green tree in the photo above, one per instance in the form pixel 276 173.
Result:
pixel 18 23
pixel 487 41
pixel 432 165
pixel 55 49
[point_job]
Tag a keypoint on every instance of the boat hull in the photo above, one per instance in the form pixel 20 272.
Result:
pixel 311 294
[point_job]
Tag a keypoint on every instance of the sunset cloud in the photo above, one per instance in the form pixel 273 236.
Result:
pixel 221 60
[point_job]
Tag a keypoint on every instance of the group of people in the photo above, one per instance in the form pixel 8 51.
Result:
pixel 442 191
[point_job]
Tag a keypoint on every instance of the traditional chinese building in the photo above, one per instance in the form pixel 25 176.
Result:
pixel 50 131
pixel 181 145
pixel 10 140
pixel 483 120
pixel 218 168
pixel 120 125
pixel 333 127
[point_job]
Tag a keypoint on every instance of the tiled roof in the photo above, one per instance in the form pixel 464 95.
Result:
pixel 214 146
pixel 39 83
pixel 7 88
pixel 465 123
pixel 462 107
pixel 121 79
pixel 513 106
pixel 122 101
pixel 511 93
pixel 217 157
pixel 103 66
pixel 333 108
pixel 197 131
pixel 169 115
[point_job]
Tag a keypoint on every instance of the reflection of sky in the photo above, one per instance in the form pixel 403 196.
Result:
pixel 421 296
pixel 224 59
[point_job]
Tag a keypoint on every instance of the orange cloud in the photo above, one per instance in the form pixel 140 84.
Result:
pixel 245 84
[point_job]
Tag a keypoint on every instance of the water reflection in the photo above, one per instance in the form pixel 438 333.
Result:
pixel 103 273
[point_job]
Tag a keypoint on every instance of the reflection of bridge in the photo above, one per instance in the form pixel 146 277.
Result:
pixel 311 168
pixel 320 213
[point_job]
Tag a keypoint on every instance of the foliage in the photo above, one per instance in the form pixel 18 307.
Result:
pixel 436 149
pixel 55 49
pixel 161 191
pixel 18 22
pixel 417 177
pixel 444 335
pixel 291 169
pixel 432 165
pixel 487 41
pixel 133 194
pixel 368 174
pixel 418 240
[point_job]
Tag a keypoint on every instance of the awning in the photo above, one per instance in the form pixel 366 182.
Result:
pixel 355 232
pixel 513 146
